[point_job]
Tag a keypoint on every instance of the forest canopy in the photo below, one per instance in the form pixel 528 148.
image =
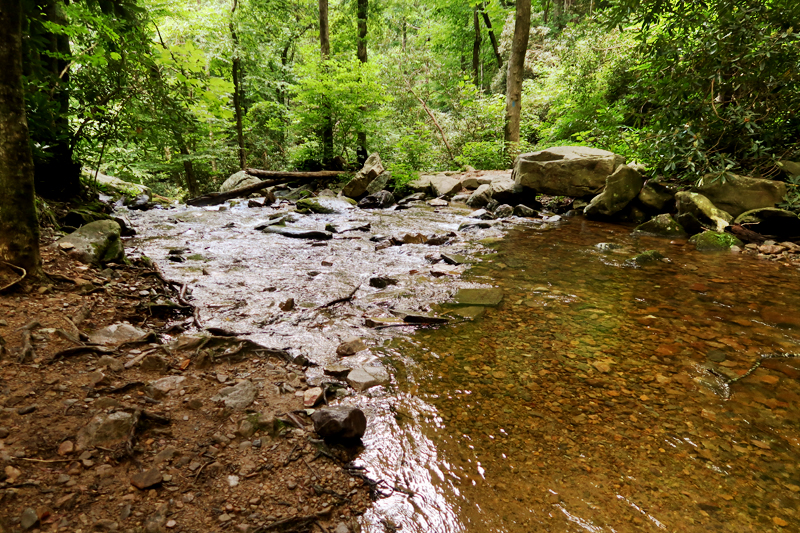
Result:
pixel 179 95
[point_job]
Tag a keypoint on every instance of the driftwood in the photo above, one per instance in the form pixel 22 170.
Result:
pixel 275 177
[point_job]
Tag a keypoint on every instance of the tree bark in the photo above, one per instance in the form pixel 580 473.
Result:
pixel 492 37
pixel 363 9
pixel 325 52
pixel 19 225
pixel 188 167
pixel 516 66
pixel 236 74
pixel 476 47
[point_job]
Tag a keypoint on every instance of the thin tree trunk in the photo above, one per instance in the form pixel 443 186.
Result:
pixel 476 47
pixel 363 9
pixel 516 66
pixel 188 167
pixel 325 52
pixel 492 36
pixel 236 74
pixel 404 34
pixel 19 225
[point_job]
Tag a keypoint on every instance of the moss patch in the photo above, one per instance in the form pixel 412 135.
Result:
pixel 714 241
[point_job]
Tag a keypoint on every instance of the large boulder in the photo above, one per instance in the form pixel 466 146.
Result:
pixel 656 195
pixel 114 183
pixel 444 185
pixel 340 422
pixel 324 205
pixel 698 206
pixel 736 194
pixel 621 188
pixel 380 183
pixel 357 187
pixel 662 225
pixel 791 168
pixel 420 185
pixel 240 179
pixel 506 191
pixel 714 241
pixel 481 196
pixel 95 243
pixel 772 222
pixel 566 170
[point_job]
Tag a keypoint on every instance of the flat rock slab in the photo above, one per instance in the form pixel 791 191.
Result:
pixel 379 321
pixel 238 397
pixel 456 259
pixel 365 377
pixel 116 334
pixel 485 297
pixel 299 233
pixel 471 313
pixel 147 479
pixel 337 371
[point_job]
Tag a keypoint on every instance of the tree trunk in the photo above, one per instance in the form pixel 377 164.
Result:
pixel 516 66
pixel 363 8
pixel 476 48
pixel 56 175
pixel 325 52
pixel 19 226
pixel 492 37
pixel 188 167
pixel 236 74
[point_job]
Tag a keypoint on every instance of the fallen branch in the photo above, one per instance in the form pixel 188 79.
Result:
pixel 284 175
pixel 435 122
pixel 78 350
pixel 340 300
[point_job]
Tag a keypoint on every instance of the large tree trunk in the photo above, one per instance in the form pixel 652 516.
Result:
pixel 236 74
pixel 19 227
pixel 325 52
pixel 516 66
pixel 363 8
pixel 56 175
pixel 476 48
pixel 492 37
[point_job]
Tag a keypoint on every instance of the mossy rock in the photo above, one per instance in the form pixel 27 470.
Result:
pixel 645 258
pixel 714 241
pixel 661 226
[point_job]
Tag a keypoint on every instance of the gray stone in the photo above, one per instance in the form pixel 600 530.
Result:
pixel 238 397
pixel 566 170
pixel 525 211
pixel 337 371
pixel 350 346
pixel 662 225
pixel 505 190
pixel 240 179
pixel 621 188
pixel 481 196
pixel 713 241
pixel 379 200
pixel 160 388
pixel 736 194
pixel 29 518
pixel 299 233
pixel 656 195
pixel 357 187
pixel 95 243
pixel 324 205
pixel 486 297
pixel 365 377
pixel 469 181
pixel 104 430
pixel 116 334
pixel 155 363
pixel 421 185
pixel 380 183
pixel 482 214
pixel 503 211
pixel 700 207
pixel 444 185
pixel 340 422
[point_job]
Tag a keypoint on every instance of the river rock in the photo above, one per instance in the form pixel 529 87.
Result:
pixel 380 183
pixel 714 241
pixel 379 200
pixel 240 179
pixel 736 194
pixel 566 170
pixel 771 221
pixel 116 334
pixel 337 371
pixel 312 396
pixel 106 430
pixel 365 377
pixel 238 397
pixel 482 214
pixel 469 181
pixel 357 187
pixel 525 211
pixel 662 225
pixel 503 211
pixel 324 205
pixel 350 346
pixel 481 196
pixel 444 185
pixel 645 258
pixel 621 188
pixel 340 422
pixel 421 185
pixel 299 233
pixel 506 190
pixel 381 282
pixel 95 243
pixel 487 297
pixel 656 195
pixel 703 209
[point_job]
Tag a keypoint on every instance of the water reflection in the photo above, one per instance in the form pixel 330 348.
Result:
pixel 582 402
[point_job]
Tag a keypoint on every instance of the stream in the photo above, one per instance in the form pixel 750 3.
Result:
pixel 596 397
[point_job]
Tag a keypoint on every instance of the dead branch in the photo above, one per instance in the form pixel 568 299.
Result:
pixel 435 122
pixel 340 300
pixel 17 269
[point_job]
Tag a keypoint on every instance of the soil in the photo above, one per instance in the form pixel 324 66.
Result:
pixel 197 467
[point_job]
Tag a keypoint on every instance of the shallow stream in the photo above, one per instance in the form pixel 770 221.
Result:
pixel 590 399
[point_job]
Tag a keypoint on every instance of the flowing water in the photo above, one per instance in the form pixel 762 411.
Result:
pixel 595 397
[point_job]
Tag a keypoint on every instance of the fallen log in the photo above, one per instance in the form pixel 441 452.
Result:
pixel 275 177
